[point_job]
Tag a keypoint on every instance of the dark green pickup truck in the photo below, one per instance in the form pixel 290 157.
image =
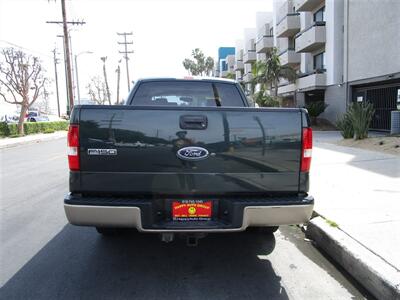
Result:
pixel 188 156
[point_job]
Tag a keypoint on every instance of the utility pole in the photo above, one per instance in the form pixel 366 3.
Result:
pixel 65 74
pixel 126 52
pixel 76 73
pixel 56 76
pixel 67 52
pixel 104 58
pixel 73 79
pixel 67 58
pixel 118 71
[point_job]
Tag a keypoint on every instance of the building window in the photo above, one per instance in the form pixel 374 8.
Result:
pixel 271 31
pixel 319 62
pixel 291 43
pixel 319 15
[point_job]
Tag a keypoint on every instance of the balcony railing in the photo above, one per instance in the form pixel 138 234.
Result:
pixel 289 57
pixel 312 80
pixel 249 56
pixel 286 89
pixel 306 5
pixel 289 25
pixel 311 38
pixel 265 43
pixel 239 65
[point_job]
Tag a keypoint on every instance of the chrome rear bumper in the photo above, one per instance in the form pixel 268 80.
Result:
pixel 130 217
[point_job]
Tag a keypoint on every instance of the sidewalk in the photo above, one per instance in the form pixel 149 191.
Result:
pixel 359 190
pixel 29 139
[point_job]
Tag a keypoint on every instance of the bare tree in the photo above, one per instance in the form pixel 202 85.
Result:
pixel 97 90
pixel 43 105
pixel 21 80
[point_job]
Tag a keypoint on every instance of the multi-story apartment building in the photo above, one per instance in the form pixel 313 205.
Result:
pixel 226 61
pixel 371 56
pixel 342 51
pixel 239 65
pixel 249 54
pixel 341 54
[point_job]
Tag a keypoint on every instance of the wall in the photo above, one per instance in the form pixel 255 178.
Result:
pixel 335 98
pixel 334 11
pixel 373 38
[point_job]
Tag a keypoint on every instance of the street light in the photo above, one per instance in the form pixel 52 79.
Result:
pixel 76 72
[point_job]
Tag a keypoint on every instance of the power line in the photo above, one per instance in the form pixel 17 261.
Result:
pixel 68 22
pixel 126 52
pixel 24 48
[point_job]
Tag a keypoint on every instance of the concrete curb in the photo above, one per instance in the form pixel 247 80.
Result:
pixel 31 139
pixel 370 270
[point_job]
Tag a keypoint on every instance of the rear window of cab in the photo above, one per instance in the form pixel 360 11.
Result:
pixel 187 94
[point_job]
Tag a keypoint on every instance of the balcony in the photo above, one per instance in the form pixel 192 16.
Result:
pixel 238 75
pixel 289 57
pixel 286 89
pixel 247 78
pixel 311 38
pixel 223 74
pixel 311 81
pixel 306 5
pixel 264 44
pixel 249 56
pixel 289 25
pixel 239 65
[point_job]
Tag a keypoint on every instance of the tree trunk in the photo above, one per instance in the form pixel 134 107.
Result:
pixel 24 108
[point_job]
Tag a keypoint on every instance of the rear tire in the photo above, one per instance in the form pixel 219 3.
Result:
pixel 108 231
pixel 269 229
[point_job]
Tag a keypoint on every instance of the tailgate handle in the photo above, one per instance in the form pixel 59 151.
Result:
pixel 193 122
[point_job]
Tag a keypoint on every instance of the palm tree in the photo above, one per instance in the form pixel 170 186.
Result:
pixel 274 71
pixel 268 73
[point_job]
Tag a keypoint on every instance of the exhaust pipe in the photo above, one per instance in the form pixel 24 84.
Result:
pixel 167 237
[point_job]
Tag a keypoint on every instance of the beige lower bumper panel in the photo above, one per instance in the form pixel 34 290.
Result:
pixel 130 217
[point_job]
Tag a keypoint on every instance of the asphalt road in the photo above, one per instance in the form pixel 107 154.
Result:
pixel 42 257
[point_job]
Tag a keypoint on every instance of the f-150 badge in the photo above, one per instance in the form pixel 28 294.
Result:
pixel 102 151
pixel 192 153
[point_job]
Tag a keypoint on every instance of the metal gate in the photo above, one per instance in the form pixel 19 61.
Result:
pixel 383 98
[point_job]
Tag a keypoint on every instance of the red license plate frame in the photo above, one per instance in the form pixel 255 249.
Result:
pixel 191 210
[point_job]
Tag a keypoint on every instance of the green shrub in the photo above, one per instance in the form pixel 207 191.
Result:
pixel 265 100
pixel 12 129
pixel 4 131
pixel 315 108
pixel 345 126
pixel 48 130
pixel 360 115
pixel 35 127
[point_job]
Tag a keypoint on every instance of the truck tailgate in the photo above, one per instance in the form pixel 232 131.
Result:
pixel 133 150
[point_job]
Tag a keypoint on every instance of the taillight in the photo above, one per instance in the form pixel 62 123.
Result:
pixel 73 147
pixel 306 150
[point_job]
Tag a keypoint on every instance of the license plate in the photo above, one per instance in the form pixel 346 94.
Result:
pixel 191 210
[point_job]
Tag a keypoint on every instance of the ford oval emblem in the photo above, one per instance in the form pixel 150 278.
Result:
pixel 192 153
